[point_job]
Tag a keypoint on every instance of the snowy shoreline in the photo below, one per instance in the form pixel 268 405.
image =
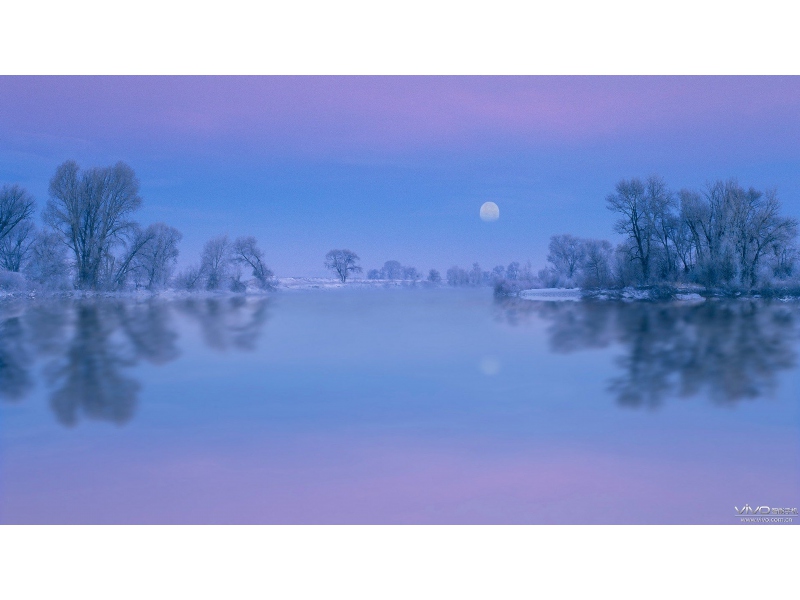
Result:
pixel 684 294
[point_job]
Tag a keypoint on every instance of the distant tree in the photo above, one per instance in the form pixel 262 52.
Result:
pixel 215 262
pixel 499 272
pixel 475 275
pixel 374 274
pixel 595 264
pixel 457 276
pixel 343 262
pixel 784 261
pixel 91 212
pixel 566 253
pixel 392 269
pixel 190 278
pixel 512 272
pixel 47 265
pixel 247 253
pixel 154 261
pixel 434 276
pixel 410 273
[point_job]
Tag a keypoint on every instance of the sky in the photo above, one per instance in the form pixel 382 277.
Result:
pixel 397 168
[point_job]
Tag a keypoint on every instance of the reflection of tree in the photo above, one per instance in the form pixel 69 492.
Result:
pixel 731 350
pixel 228 322
pixel 90 345
pixel 15 359
pixel 147 327
pixel 91 376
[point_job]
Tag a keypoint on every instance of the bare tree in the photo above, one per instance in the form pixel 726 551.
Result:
pixel 457 276
pixel 246 252
pixel 215 262
pixel 475 274
pixel 434 276
pixel 661 205
pixel 596 263
pixel 91 211
pixel 631 202
pixel 512 271
pixel 343 262
pixel 15 246
pixel 566 253
pixel 16 206
pixel 410 273
pixel 189 279
pixel 155 259
pixel 392 269
pixel 47 265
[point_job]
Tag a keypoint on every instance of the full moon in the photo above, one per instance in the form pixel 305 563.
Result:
pixel 490 211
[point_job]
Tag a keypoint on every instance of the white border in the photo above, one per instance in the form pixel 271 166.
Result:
pixel 400 37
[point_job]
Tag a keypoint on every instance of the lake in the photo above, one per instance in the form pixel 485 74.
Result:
pixel 396 406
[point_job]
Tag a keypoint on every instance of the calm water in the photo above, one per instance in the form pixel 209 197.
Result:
pixel 396 406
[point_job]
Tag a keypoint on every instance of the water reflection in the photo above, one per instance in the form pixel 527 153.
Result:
pixel 730 351
pixel 87 348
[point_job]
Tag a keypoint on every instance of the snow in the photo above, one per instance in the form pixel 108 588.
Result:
pixel 552 294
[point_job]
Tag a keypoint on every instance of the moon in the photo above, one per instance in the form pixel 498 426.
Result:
pixel 490 212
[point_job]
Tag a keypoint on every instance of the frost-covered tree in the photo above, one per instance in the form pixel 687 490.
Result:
pixel 16 207
pixel 154 261
pixel 434 276
pixel 512 271
pixel 15 246
pixel 566 253
pixel 215 262
pixel 246 253
pixel 630 201
pixel 343 262
pixel 91 211
pixel 457 276
pixel 392 269
pixel 190 278
pixel 595 267
pixel 48 265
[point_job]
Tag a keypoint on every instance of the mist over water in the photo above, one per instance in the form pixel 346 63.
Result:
pixel 396 406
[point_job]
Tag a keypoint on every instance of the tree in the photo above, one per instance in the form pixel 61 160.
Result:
pixel 596 263
pixel 215 261
pixel 16 206
pixel 512 271
pixel 410 273
pixel 566 253
pixel 475 275
pixel 190 278
pixel 15 246
pixel 630 201
pixel 91 212
pixel 155 259
pixel 457 276
pixel 47 265
pixel 247 253
pixel 343 262
pixel 392 269
pixel 434 276
pixel 661 205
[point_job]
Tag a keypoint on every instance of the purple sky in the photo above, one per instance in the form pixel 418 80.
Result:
pixel 397 167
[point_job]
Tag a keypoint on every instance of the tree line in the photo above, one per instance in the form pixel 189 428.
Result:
pixel 722 236
pixel 90 240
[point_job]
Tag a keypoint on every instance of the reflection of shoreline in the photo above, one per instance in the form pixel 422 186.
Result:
pixel 87 347
pixel 730 350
